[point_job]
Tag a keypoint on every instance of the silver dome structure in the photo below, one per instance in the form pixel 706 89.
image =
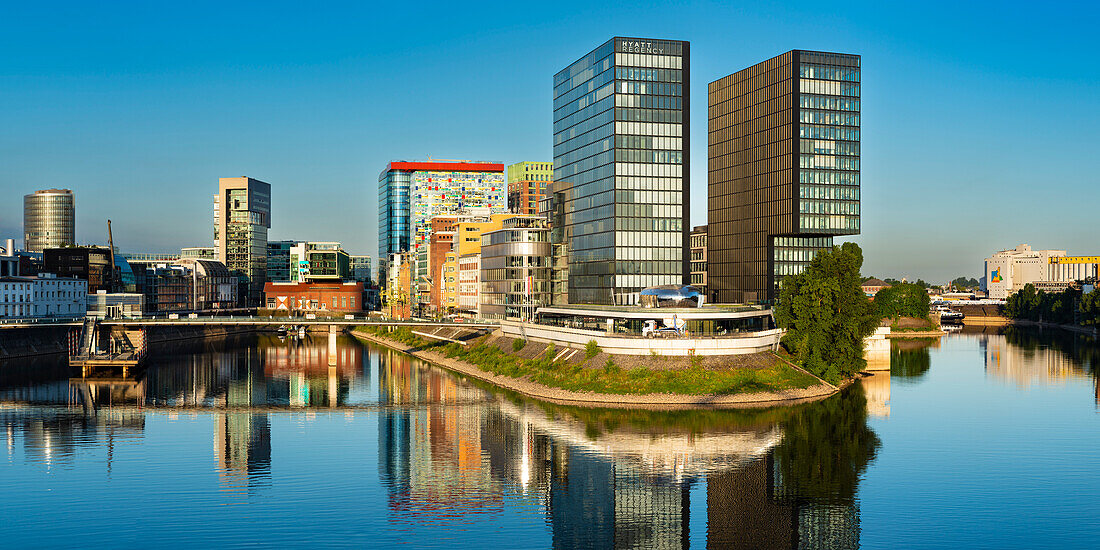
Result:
pixel 671 296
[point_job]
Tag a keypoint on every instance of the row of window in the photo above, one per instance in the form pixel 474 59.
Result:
pixel 648 238
pixel 649 75
pixel 828 147
pixel 649 60
pixel 627 114
pixel 640 155
pixel 823 72
pixel 809 116
pixel 809 206
pixel 828 177
pixel 832 103
pixel 649 101
pixel 649 142
pixel 828 161
pixel 828 87
pixel 828 192
pixel 828 132
pixel 833 222
pixel 651 88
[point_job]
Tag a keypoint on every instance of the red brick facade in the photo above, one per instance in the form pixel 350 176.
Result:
pixel 319 297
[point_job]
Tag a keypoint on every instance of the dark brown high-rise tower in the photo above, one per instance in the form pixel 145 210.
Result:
pixel 783 174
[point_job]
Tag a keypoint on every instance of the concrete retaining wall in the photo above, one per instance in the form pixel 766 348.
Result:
pixel 35 341
pixel 752 342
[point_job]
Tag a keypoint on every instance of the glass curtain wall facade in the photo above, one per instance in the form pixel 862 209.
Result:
pixel 49 220
pixel 783 144
pixel 242 216
pixel 393 211
pixel 621 169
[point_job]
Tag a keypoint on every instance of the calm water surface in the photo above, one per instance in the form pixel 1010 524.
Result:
pixel 982 440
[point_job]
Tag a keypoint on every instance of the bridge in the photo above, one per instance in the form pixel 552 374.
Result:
pixel 291 321
pixel 243 320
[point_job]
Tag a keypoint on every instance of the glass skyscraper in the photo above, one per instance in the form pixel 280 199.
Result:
pixel 621 170
pixel 783 144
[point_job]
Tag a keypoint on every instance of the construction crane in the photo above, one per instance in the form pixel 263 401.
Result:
pixel 111 284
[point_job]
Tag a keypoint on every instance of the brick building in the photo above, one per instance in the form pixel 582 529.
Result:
pixel 315 297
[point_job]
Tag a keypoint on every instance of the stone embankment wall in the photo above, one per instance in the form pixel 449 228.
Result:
pixel 35 341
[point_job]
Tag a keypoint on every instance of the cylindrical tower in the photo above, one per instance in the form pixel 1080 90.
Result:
pixel 49 219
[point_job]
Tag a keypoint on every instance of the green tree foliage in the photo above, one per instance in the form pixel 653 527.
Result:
pixel 826 314
pixel 963 282
pixel 902 300
pixel 1064 308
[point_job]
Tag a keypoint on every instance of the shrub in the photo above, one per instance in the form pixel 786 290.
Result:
pixel 610 367
pixel 518 344
pixel 591 349
pixel 902 300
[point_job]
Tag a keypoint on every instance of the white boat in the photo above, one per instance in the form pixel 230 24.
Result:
pixel 948 315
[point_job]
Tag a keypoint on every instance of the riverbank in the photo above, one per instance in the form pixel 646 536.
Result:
pixel 619 375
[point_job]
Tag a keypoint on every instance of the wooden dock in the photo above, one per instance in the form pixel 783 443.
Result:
pixel 124 350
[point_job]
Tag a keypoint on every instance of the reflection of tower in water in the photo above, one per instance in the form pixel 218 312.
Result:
pixel 242 447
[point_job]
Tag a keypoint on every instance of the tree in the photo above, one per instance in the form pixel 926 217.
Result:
pixel 826 314
pixel 902 300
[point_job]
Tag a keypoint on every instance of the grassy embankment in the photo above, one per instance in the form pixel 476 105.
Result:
pixel 581 376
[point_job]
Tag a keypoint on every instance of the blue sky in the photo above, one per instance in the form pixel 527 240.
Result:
pixel 980 121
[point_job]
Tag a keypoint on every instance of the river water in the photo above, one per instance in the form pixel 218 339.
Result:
pixel 979 440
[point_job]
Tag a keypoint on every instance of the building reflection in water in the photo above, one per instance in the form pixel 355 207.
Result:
pixel 622 479
pixel 242 449
pixel 430 448
pixel 1027 360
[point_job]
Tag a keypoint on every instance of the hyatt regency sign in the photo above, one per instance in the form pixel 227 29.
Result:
pixel 641 46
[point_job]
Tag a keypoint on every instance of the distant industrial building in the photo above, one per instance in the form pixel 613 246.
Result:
pixel 242 216
pixel 1009 271
pixel 783 175
pixel 527 185
pixel 49 219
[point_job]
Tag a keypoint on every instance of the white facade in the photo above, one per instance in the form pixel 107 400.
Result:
pixel 45 295
pixel 60 296
pixel 15 297
pixel 115 305
pixel 1009 270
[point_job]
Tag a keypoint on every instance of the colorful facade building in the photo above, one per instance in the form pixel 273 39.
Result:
pixel 415 191
pixel 527 185
pixel 315 297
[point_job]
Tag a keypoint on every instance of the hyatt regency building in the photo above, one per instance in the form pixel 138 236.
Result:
pixel 620 188
pixel 783 177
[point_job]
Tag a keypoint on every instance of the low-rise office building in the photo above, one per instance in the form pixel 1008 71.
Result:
pixel 469 284
pixel 90 263
pixel 61 297
pixel 315 297
pixel 115 305
pixel 16 297
pixel 515 268
pixel 871 286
